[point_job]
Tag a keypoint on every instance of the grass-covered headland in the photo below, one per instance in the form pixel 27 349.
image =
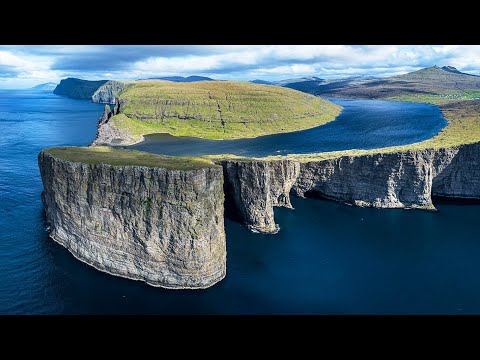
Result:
pixel 218 109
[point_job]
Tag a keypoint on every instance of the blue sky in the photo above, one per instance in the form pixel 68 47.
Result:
pixel 26 66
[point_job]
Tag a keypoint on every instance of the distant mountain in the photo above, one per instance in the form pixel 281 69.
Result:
pixel 445 82
pixel 46 86
pixel 193 78
pixel 262 82
pixel 314 85
pixel 297 80
pixel 454 70
pixel 78 88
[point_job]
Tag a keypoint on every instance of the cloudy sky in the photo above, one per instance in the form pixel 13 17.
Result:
pixel 26 66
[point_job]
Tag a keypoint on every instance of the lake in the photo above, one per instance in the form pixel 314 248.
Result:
pixel 362 124
pixel 328 258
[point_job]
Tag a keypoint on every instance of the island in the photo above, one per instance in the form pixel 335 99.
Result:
pixel 95 197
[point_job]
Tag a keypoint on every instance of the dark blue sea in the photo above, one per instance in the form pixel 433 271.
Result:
pixel 328 258
pixel 362 124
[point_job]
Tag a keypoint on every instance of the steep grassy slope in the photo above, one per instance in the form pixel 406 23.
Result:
pixel 218 109
pixel 78 88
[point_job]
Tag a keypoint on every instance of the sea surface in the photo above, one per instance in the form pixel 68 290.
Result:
pixel 328 258
pixel 362 124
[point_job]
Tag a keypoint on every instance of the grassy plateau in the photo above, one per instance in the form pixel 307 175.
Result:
pixel 218 109
pixel 111 156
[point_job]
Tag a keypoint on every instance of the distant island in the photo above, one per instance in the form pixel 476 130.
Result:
pixel 46 86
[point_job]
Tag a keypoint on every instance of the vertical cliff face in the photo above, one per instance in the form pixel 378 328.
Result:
pixel 164 227
pixel 389 180
pixel 78 88
pixel 255 187
pixel 395 180
pixel 107 92
pixel 457 172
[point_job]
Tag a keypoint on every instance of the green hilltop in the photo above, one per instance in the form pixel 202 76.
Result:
pixel 217 109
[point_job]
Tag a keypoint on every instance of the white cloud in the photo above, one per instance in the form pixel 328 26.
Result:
pixel 30 65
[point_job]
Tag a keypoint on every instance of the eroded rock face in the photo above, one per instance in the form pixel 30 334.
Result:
pixel 164 227
pixel 390 180
pixel 395 180
pixel 108 92
pixel 107 133
pixel 110 135
pixel 255 187
pixel 457 172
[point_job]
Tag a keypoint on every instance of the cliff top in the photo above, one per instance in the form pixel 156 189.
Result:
pixel 117 157
pixel 219 109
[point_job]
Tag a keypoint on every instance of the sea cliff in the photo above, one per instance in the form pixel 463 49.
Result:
pixel 107 92
pixel 162 226
pixel 78 88
pixel 384 180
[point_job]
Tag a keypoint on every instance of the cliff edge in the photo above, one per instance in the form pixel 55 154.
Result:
pixel 405 179
pixel 155 219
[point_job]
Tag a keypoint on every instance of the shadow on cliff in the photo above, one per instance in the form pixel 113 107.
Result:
pixel 445 200
pixel 230 208
pixel 315 194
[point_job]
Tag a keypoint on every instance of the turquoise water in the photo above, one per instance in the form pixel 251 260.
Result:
pixel 328 258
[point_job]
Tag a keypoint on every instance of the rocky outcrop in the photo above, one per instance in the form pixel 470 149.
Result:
pixel 78 88
pixel 107 133
pixel 108 92
pixel 255 187
pixel 164 227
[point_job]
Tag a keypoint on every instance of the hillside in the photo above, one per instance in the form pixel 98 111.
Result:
pixel 217 110
pixel 433 84
pixel 78 88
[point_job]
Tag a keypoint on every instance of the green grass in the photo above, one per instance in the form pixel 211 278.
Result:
pixel 111 156
pixel 218 109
